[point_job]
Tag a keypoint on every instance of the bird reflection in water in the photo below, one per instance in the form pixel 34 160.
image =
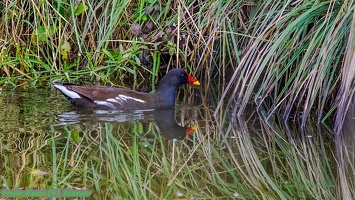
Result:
pixel 164 120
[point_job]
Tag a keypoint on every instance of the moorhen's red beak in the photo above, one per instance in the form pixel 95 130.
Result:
pixel 192 80
pixel 190 130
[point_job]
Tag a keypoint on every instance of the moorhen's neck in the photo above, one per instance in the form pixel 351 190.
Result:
pixel 167 91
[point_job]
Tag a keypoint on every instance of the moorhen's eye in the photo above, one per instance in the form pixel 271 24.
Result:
pixel 183 74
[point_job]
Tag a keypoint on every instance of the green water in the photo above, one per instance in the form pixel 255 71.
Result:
pixel 48 147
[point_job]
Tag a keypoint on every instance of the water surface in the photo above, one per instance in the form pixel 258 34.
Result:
pixel 47 143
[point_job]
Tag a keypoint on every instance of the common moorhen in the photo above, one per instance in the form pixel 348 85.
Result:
pixel 111 98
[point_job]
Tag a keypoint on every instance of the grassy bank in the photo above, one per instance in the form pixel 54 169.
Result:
pixel 99 40
pixel 295 57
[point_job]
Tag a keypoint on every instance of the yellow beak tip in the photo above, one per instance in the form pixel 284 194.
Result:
pixel 196 83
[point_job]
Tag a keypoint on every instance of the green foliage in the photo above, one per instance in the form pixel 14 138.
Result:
pixel 84 34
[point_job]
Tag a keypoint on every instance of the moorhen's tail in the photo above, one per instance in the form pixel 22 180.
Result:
pixel 74 97
pixel 67 93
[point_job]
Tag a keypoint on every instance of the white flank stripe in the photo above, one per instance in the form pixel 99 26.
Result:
pixel 105 103
pixel 113 101
pixel 68 93
pixel 125 98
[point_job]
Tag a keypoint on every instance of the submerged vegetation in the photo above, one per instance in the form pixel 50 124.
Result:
pixel 248 159
pixel 296 57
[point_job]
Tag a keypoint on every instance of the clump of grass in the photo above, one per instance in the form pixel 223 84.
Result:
pixel 104 40
pixel 292 57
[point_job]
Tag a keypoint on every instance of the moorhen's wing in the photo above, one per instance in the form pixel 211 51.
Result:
pixel 110 98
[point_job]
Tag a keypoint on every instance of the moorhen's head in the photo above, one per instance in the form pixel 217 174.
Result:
pixel 177 77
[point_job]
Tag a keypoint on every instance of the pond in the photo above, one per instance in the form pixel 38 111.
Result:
pixel 49 148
